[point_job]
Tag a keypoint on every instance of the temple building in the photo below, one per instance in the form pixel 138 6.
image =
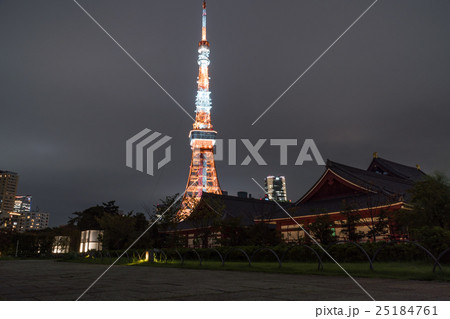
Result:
pixel 370 195
pixel 343 190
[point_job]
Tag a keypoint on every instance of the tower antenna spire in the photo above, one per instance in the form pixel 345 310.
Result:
pixel 204 21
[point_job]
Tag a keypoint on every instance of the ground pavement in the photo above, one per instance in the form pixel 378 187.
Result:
pixel 51 280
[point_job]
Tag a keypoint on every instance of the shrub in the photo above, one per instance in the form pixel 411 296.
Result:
pixel 435 239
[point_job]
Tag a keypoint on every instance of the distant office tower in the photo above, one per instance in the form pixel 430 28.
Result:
pixel 8 188
pixel 22 204
pixel 32 221
pixel 276 188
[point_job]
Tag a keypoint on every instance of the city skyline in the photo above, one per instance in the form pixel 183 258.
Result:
pixel 73 97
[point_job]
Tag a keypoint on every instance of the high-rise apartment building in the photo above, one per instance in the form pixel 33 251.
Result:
pixel 22 204
pixel 8 188
pixel 32 221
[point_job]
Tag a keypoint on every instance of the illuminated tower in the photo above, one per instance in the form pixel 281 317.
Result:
pixel 202 175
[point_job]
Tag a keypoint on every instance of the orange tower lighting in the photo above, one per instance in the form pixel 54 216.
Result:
pixel 202 174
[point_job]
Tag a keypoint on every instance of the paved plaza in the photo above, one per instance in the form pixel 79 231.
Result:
pixel 51 280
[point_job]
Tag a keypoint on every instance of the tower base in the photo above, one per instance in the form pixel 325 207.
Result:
pixel 202 177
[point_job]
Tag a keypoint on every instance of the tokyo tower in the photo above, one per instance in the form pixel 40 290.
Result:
pixel 202 174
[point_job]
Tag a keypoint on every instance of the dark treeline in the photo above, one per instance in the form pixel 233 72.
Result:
pixel 427 221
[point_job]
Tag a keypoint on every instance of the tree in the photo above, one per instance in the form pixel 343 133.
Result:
pixel 263 234
pixel 61 244
pixel 376 219
pixel 167 212
pixel 322 229
pixel 349 225
pixel 72 232
pixel 118 231
pixel 88 218
pixel 206 218
pixel 111 207
pixel 233 233
pixel 378 224
pixel 34 242
pixel 165 218
pixel 431 201
pixel 141 223
pixel 434 238
pixel 430 206
pixel 6 242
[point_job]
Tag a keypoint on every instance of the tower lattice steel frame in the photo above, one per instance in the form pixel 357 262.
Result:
pixel 202 174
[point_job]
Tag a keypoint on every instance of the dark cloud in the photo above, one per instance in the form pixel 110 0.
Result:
pixel 69 97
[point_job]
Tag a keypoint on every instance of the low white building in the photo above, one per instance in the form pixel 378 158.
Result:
pixel 61 245
pixel 90 240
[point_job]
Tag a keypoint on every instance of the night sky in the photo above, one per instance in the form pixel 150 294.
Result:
pixel 70 98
